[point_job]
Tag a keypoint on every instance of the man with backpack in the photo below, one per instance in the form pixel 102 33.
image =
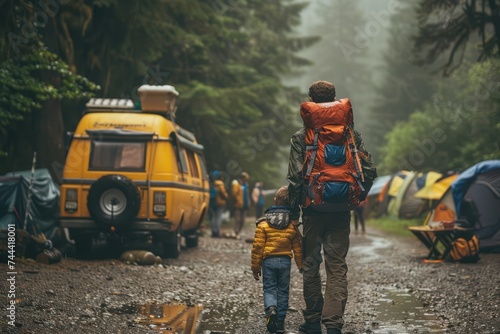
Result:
pixel 329 173
pixel 218 197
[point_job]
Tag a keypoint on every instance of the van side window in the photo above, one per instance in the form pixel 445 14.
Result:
pixel 114 155
pixel 192 164
pixel 204 171
pixel 184 164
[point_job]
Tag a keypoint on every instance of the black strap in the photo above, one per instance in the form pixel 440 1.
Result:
pixel 314 148
pixel 310 192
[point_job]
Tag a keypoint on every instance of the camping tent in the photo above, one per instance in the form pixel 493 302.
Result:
pixel 44 203
pixel 372 202
pixel 436 190
pixel 403 204
pixel 390 190
pixel 378 185
pixel 475 196
pixel 409 205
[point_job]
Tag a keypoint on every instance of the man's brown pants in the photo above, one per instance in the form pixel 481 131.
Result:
pixel 330 231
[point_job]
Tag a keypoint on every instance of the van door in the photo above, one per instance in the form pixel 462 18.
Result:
pixel 197 184
pixel 185 195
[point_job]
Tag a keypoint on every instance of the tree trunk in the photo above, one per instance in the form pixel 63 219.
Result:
pixel 48 132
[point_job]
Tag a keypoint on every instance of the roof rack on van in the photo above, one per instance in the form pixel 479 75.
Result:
pixel 104 103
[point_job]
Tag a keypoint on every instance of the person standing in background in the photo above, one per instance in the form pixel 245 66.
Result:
pixel 258 198
pixel 359 218
pixel 241 199
pixel 218 197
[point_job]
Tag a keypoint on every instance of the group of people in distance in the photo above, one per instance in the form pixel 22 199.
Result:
pixel 218 199
pixel 324 217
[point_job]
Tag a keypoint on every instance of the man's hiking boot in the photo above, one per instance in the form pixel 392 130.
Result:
pixel 280 324
pixel 333 331
pixel 272 317
pixel 310 328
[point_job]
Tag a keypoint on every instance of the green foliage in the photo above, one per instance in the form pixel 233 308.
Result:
pixel 228 64
pixel 459 128
pixel 226 58
pixel 30 75
pixel 23 90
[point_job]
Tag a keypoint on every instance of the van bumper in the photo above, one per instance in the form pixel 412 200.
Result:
pixel 139 225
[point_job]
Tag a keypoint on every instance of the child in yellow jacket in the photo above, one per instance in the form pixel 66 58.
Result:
pixel 276 242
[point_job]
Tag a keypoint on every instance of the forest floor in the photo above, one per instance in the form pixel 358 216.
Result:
pixel 211 286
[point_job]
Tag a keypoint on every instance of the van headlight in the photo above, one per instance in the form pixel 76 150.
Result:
pixel 159 203
pixel 71 203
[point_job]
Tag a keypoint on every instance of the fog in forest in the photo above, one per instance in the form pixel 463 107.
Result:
pixel 350 53
pixel 399 91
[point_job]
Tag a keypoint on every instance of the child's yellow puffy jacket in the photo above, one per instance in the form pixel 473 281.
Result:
pixel 273 241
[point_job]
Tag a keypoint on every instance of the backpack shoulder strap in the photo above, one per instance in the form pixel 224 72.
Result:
pixel 314 148
pixel 355 155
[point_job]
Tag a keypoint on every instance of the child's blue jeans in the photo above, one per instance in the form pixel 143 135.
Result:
pixel 276 283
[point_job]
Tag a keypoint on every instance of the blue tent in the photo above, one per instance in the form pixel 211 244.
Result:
pixel 476 193
pixel 464 180
pixel 379 184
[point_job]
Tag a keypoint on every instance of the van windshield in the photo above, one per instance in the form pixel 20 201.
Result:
pixel 113 155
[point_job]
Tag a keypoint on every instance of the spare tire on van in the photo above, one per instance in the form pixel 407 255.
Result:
pixel 114 200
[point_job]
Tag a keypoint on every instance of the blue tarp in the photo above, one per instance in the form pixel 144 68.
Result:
pixel 379 184
pixel 463 181
pixel 44 205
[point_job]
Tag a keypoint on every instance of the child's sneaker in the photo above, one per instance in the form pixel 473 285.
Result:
pixel 272 316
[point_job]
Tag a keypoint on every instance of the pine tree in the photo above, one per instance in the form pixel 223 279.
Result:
pixel 33 80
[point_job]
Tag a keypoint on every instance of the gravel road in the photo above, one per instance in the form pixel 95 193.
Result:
pixel 390 291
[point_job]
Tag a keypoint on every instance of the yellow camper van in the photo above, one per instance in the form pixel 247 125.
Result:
pixel 133 174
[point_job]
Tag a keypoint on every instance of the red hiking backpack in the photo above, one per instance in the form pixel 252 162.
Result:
pixel 332 169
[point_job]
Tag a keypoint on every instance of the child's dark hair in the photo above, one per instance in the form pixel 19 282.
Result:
pixel 281 197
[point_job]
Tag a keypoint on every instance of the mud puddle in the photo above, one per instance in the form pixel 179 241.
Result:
pixel 165 318
pixel 399 312
pixel 367 252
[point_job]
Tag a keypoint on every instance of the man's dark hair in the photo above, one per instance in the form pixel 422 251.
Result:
pixel 322 91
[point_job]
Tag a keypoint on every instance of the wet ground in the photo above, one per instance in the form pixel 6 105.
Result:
pixel 211 290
